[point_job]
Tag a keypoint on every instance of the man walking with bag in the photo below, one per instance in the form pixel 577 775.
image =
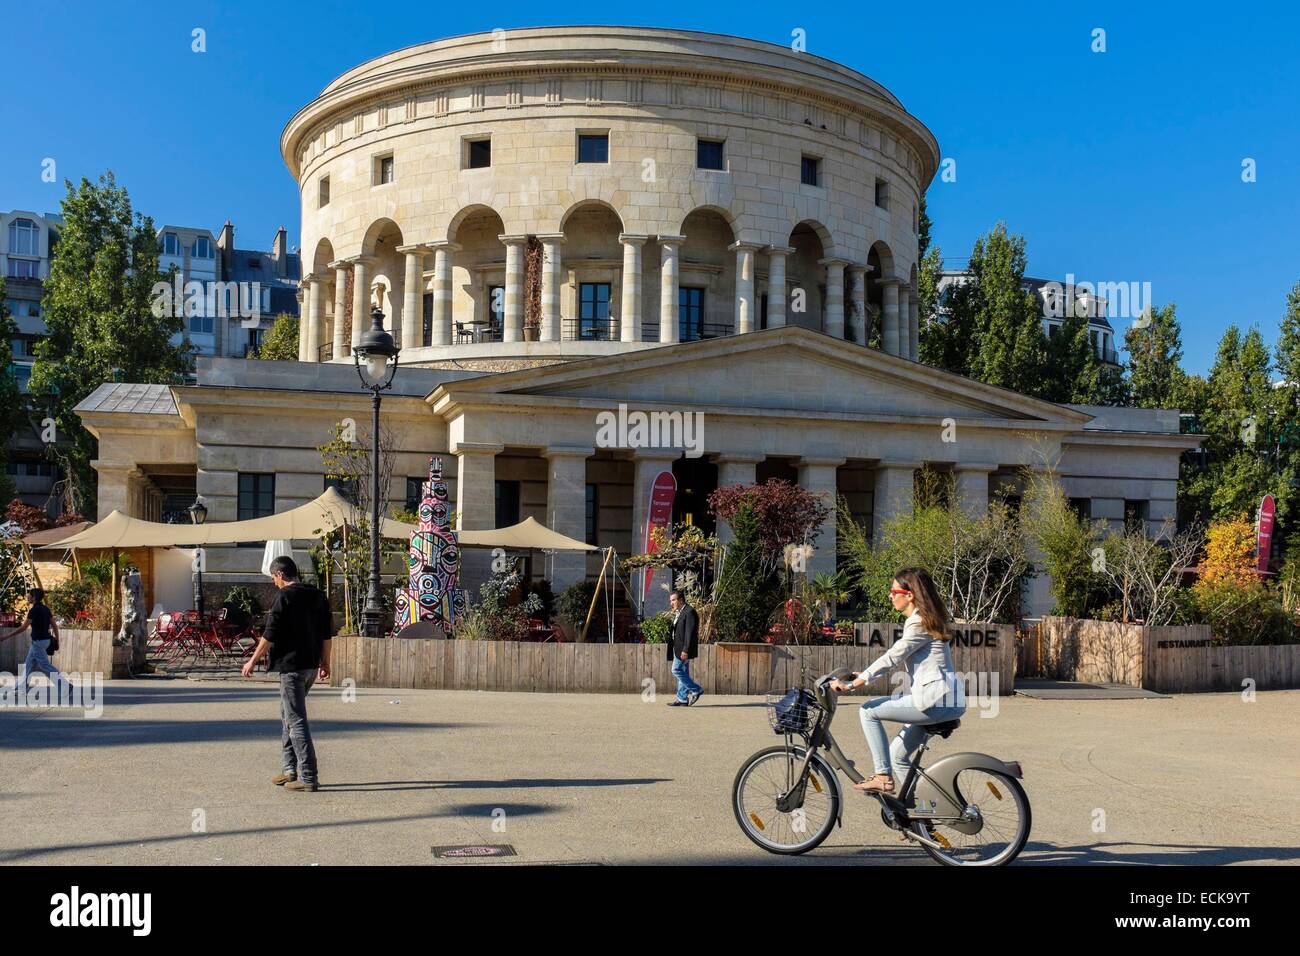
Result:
pixel 683 648
pixel 297 638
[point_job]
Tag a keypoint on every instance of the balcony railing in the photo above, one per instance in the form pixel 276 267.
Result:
pixel 590 330
pixel 708 330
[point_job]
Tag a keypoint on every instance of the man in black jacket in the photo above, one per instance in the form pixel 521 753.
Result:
pixel 297 637
pixel 683 648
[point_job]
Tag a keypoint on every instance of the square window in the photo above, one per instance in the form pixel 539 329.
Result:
pixel 324 191
pixel 810 171
pixel 256 495
pixel 593 147
pixel 479 154
pixel 384 169
pixel 708 154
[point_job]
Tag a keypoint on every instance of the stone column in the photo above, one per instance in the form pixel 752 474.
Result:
pixel 905 322
pixel 971 486
pixel 669 249
pixel 629 320
pixel 443 255
pixel 304 299
pixel 817 475
pixel 858 304
pixel 914 326
pixel 315 314
pixel 476 506
pixel 889 328
pixel 776 285
pixel 895 485
pixel 746 319
pixel 113 489
pixel 734 470
pixel 341 338
pixel 360 297
pixel 833 318
pixel 646 467
pixel 552 262
pixel 408 332
pixel 513 320
pixel 566 511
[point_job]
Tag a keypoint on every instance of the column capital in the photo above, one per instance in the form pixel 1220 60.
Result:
pixel 820 461
pixel 780 250
pixel 417 248
pixel 655 454
pixel 359 260
pixel 899 465
pixel 551 238
pixel 477 448
pixel 313 277
pixel 833 261
pixel 568 451
pixel 670 240
pixel 738 458
pixel 889 281
pixel 630 239
pixel 975 466
pixel 858 267
pixel 513 240
pixel 739 246
pixel 444 245
pixel 339 264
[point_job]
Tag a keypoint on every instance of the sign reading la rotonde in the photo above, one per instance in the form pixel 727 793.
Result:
pixel 963 635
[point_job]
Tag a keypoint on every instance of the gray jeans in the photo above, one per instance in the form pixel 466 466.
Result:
pixel 295 735
pixel 900 710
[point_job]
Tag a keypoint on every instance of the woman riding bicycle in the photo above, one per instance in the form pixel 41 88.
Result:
pixel 936 694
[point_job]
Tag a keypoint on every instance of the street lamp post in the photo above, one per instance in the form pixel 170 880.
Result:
pixel 376 360
pixel 198 514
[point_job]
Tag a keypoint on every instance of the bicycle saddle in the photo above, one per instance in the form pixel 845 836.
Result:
pixel 944 729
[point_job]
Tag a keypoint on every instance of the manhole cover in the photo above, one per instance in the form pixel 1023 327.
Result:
pixel 473 851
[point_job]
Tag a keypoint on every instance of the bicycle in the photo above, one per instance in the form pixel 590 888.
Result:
pixel 787 799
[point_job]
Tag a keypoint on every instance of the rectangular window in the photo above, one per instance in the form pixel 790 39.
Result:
pixel 202 248
pixel 384 169
pixel 414 493
pixel 1082 508
pixel 593 513
pixel 478 154
pixel 708 154
pixel 256 495
pixel 593 147
pixel 762 311
pixel 882 193
pixel 810 171
pixel 690 313
pixel 171 244
pixel 507 503
pixel 324 191
pixel 347 487
pixel 593 309
pixel 202 325
pixel 496 304
pixel 426 333
pixel 22 268
pixel 1135 515
pixel 24 237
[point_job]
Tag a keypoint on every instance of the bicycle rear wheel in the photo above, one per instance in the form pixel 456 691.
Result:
pixel 767 776
pixel 1003 811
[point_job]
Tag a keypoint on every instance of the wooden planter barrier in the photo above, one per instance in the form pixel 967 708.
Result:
pixel 82 652
pixel 1168 660
pixel 636 668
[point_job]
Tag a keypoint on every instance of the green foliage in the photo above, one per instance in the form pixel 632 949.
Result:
pixel 244 599
pixel 657 628
pixel 748 589
pixel 15 577
pixel 71 597
pixel 573 603
pixel 98 309
pixel 1067 543
pixel 280 344
pixel 1155 352
pixel 10 396
pixel 494 618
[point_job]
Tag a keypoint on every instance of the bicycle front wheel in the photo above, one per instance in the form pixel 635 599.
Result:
pixel 766 777
pixel 999 803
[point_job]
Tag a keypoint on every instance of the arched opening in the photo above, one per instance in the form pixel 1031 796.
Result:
pixel 321 350
pixel 384 273
pixel 706 290
pixel 478 279
pixel 591 279
pixel 805 277
pixel 880 262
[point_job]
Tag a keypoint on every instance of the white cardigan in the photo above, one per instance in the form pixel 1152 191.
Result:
pixel 928 662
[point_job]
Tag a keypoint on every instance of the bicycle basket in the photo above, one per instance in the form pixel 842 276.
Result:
pixel 794 712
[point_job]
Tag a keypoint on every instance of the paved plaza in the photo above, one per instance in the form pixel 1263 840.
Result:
pixel 605 779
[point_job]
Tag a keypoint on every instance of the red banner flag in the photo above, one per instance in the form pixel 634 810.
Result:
pixel 1264 532
pixel 660 515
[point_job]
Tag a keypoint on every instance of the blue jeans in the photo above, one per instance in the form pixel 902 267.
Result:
pixel 296 746
pixel 902 710
pixel 39 658
pixel 685 684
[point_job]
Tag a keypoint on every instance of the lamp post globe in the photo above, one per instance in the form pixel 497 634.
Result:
pixel 198 514
pixel 375 356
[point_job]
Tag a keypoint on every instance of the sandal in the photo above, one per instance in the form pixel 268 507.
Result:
pixel 880 783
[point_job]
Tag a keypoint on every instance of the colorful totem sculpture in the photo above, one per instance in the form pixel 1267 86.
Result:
pixel 433 560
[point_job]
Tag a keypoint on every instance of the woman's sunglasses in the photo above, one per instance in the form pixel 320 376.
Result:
pixel 899 591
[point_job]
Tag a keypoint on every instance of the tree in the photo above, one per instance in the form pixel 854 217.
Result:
pixel 98 309
pixel 1155 354
pixel 785 514
pixel 10 394
pixel 934 341
pixel 280 344
pixel 1068 544
pixel 1010 348
pixel 748 589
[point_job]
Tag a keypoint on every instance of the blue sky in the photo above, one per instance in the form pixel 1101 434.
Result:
pixel 1117 166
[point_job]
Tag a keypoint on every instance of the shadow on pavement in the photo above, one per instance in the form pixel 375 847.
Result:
pixel 134 733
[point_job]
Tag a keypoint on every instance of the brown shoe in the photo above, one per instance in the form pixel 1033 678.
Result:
pixel 880 783
pixel 280 779
pixel 300 785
